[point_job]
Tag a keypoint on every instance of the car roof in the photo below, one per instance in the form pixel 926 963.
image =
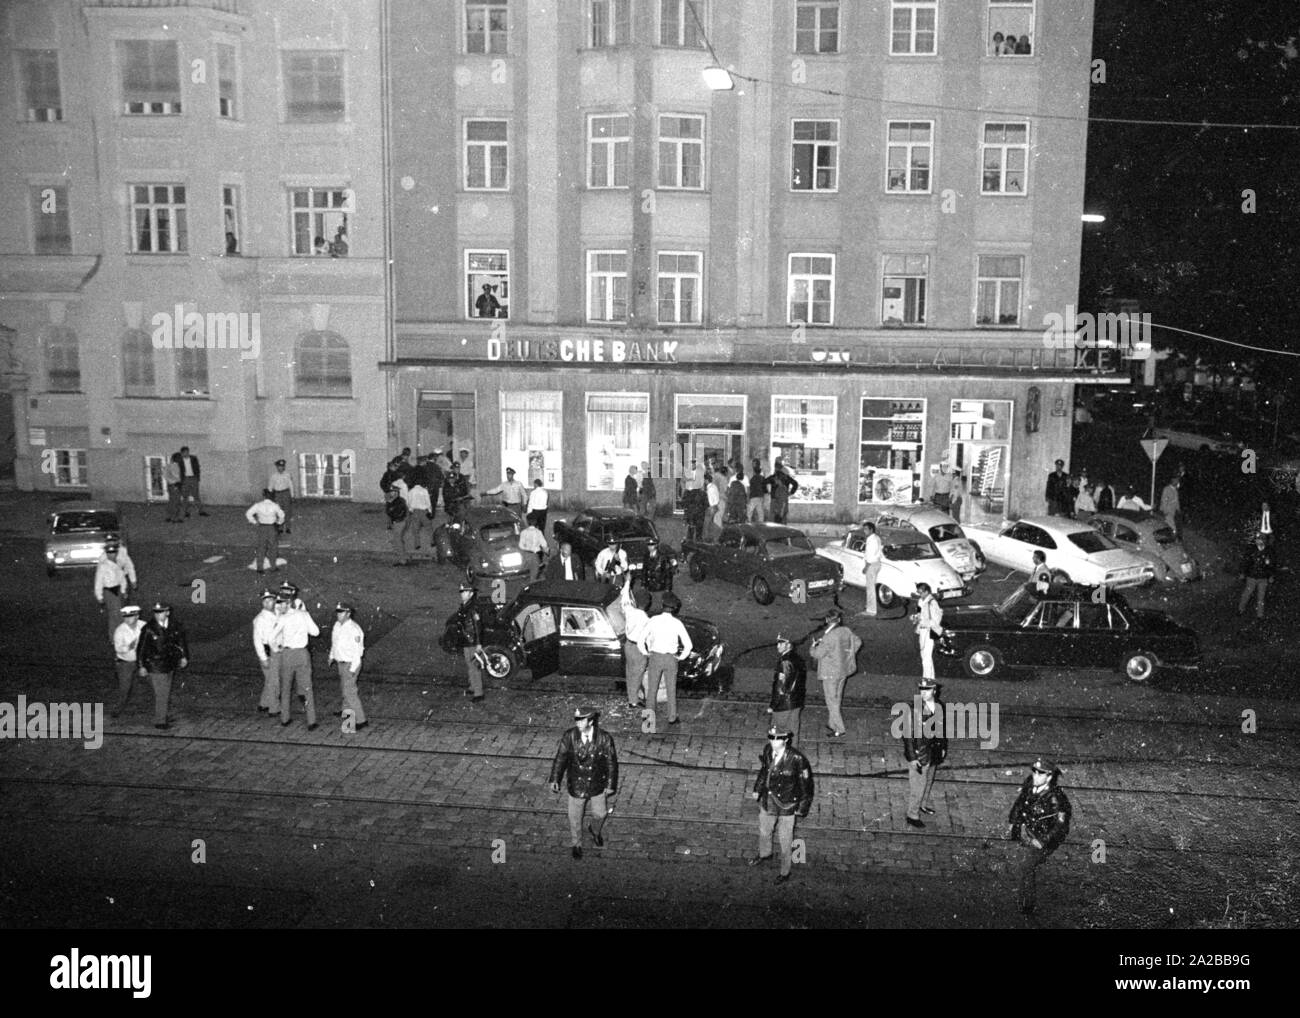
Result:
pixel 897 535
pixel 609 512
pixel 765 531
pixel 84 507
pixel 481 515
pixel 918 512
pixel 581 592
pixel 1053 524
pixel 1136 516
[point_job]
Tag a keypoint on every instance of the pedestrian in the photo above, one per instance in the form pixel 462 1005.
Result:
pixel 1257 569
pixel 1265 524
pixel 396 510
pixel 630 488
pixel 611 562
pixel 941 495
pixel 1040 574
pixel 1084 504
pixel 126 641
pixel 532 542
pixel 694 505
pixel 1069 495
pixel 468 626
pixel 657 570
pixel 958 495
pixel 280 485
pixel 789 688
pixel 565 566
pixel 634 659
pixel 646 495
pixel 737 499
pixel 1057 481
pixel 290 590
pixel 925 747
pixel 114 578
pixel 455 491
pixel 586 760
pixel 1104 496
pixel 347 647
pixel 1171 507
pixel 163 649
pixel 1040 821
pixel 784 790
pixel 173 478
pixel 538 500
pixel 782 485
pixel 836 654
pixel 873 557
pixel 268 656
pixel 267 516
pixel 928 620
pixel 190 476
pixel 293 627
pixel 419 514
pixel 511 491
pixel 712 509
pixel 665 643
pixel 1132 500
pixel 465 466
pixel 758 489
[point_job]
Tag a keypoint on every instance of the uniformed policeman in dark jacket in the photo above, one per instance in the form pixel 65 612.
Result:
pixel 587 761
pixel 467 625
pixel 657 571
pixel 924 747
pixel 1040 820
pixel 784 790
pixel 163 648
pixel 455 491
pixel 789 684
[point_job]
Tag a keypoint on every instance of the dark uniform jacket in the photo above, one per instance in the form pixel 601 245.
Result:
pixel 1057 484
pixel 160 650
pixel 1105 498
pixel 1045 815
pixel 467 624
pixel 454 488
pixel 589 770
pixel 789 683
pixel 737 502
pixel 657 574
pixel 930 750
pixel 555 568
pixel 784 788
pixel 1258 564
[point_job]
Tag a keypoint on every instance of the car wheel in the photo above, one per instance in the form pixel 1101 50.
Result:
pixel 695 567
pixel 981 661
pixel 761 591
pixel 885 597
pixel 502 663
pixel 1139 666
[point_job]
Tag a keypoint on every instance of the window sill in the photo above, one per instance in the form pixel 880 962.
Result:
pixel 828 55
pixel 913 56
pixel 908 194
pixel 1004 194
pixel 814 190
pixel 1023 58
pixel 703 191
pixel 151 255
pixel 334 399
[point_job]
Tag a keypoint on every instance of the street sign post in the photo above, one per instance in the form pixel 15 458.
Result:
pixel 1154 447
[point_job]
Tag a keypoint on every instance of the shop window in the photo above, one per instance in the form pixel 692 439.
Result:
pixel 618 437
pixel 891 451
pixel 325 475
pixel 532 424
pixel 979 451
pixel 803 436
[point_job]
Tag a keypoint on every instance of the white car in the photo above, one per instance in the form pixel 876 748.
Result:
pixel 909 558
pixel 1201 437
pixel 957 549
pixel 1073 549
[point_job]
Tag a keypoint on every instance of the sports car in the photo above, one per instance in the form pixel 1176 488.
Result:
pixel 957 549
pixel 1075 551
pixel 909 558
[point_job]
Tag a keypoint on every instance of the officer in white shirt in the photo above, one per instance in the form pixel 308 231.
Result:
pixel 280 485
pixel 268 518
pixel 269 658
pixel 873 556
pixel 611 563
pixel 114 578
pixel 532 542
pixel 665 643
pixel 538 500
pixel 347 645
pixel 289 636
pixel 511 491
pixel 929 622
pixel 125 640
pixel 634 658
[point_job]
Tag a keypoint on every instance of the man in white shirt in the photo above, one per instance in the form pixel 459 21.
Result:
pixel 419 514
pixel 532 542
pixel 873 556
pixel 634 659
pixel 511 491
pixel 1266 523
pixel 611 563
pixel 289 636
pixel 1132 500
pixel 712 519
pixel 267 517
pixel 125 640
pixel 347 645
pixel 280 485
pixel 466 463
pixel 929 623
pixel 665 643
pixel 114 578
pixel 538 499
pixel 269 658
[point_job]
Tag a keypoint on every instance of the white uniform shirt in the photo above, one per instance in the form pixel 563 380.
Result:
pixel 292 629
pixel 665 634
pixel 537 499
pixel 264 512
pixel 348 643
pixel 605 561
pixel 111 572
pixel 511 492
pixel 280 480
pixel 637 622
pixel 125 639
pixel 418 499
pixel 264 632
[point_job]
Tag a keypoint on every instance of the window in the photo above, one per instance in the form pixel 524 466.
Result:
pixel 679 287
pixel 486 26
pixel 487 284
pixel 51 232
pixel 192 371
pixel 151 83
pixel 531 428
pixel 158 219
pixel 912 27
pixel 225 81
pixel 325 475
pixel 1011 28
pixel 611 23
pixel 811 296
pixel 681 23
pixel 710 430
pixel 42 99
pixel 902 291
pixel 998 290
pixel 609 141
pixel 576 620
pixel 313 86
pixel 70 468
pixel 230 217
pixel 1005 156
pixel 891 451
pixel 817 26
pixel 814 155
pixel 155 478
pixel 320 213
pixel 618 437
pixel 62 360
pixel 681 152
pixel 606 286
pixel 907 168
pixel 980 450
pixel 803 435
pixel 486 155
pixel 322 366
pixel 137 363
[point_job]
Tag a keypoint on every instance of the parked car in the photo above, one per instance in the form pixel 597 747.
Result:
pixel 1186 434
pixel 767 558
pixel 1074 550
pixel 483 541
pixel 77 532
pixel 958 550
pixel 589 532
pixel 576 627
pixel 1070 625
pixel 909 558
pixel 1150 536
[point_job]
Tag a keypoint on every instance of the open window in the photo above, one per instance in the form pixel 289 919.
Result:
pixel 582 621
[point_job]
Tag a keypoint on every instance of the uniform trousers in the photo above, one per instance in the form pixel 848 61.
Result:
pixel 918 788
pixel 268 546
pixel 126 673
pixel 270 699
pixel 634 669
pixel 665 666
pixel 1252 586
pixel 926 643
pixel 475 672
pixel 784 828
pixel 295 667
pixel 284 499
pixel 162 692
pixel 348 683
pixel 113 609
pixel 1030 859
pixel 577 806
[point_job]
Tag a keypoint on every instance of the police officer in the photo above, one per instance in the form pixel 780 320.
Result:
pixel 114 578
pixel 784 790
pixel 1040 820
pixel 468 625
pixel 924 747
pixel 268 518
pixel 293 627
pixel 267 655
pixel 126 640
pixel 347 646
pixel 163 648
pixel 789 685
pixel 455 491
pixel 587 761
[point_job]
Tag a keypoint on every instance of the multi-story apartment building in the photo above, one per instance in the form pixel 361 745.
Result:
pixel 192 250
pixel 847 260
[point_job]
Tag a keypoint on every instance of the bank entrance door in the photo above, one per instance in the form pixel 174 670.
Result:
pixel 445 420
pixel 710 431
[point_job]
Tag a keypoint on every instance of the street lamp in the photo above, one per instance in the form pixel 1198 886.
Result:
pixel 718 78
pixel 1093 217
